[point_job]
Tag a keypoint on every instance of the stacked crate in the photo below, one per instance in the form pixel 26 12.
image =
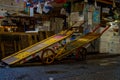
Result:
pixel 104 40
pixel 7 45
pixel 12 5
pixel 11 42
pixel 109 42
pixel 114 45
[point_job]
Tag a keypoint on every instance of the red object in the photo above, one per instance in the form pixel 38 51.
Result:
pixel 60 1
pixel 1 17
pixel 105 29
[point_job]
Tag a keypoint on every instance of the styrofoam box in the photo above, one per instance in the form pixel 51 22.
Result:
pixel 104 47
pixel 107 32
pixel 103 50
pixel 106 36
pixel 114 47
pixel 115 39
pixel 114 51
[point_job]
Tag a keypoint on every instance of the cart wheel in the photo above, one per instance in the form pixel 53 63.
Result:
pixel 81 54
pixel 47 56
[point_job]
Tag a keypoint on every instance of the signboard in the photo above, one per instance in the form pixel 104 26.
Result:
pixel 96 15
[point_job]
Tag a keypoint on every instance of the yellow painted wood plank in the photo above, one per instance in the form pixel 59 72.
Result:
pixel 22 54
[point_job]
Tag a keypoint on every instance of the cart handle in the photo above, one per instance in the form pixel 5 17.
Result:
pixel 98 26
pixel 72 27
pixel 105 29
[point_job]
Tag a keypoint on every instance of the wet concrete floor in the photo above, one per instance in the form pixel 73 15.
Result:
pixel 97 69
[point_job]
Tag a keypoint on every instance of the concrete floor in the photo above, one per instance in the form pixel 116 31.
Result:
pixel 98 69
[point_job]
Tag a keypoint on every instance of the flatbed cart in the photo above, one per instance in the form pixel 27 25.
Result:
pixel 39 48
pixel 53 48
pixel 77 46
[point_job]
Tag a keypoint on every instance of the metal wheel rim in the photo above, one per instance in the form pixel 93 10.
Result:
pixel 47 56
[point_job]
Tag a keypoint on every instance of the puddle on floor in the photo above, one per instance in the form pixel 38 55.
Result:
pixel 80 67
pixel 108 63
pixel 55 72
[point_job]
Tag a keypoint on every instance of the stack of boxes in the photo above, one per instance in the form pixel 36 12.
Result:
pixel 12 5
pixel 114 45
pixel 104 41
pixel 109 42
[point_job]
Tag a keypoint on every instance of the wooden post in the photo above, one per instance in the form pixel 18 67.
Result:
pixel 15 46
pixel 30 39
pixel 46 34
pixel 19 46
pixel 3 49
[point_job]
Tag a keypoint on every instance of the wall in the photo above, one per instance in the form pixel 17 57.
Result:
pixel 11 5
